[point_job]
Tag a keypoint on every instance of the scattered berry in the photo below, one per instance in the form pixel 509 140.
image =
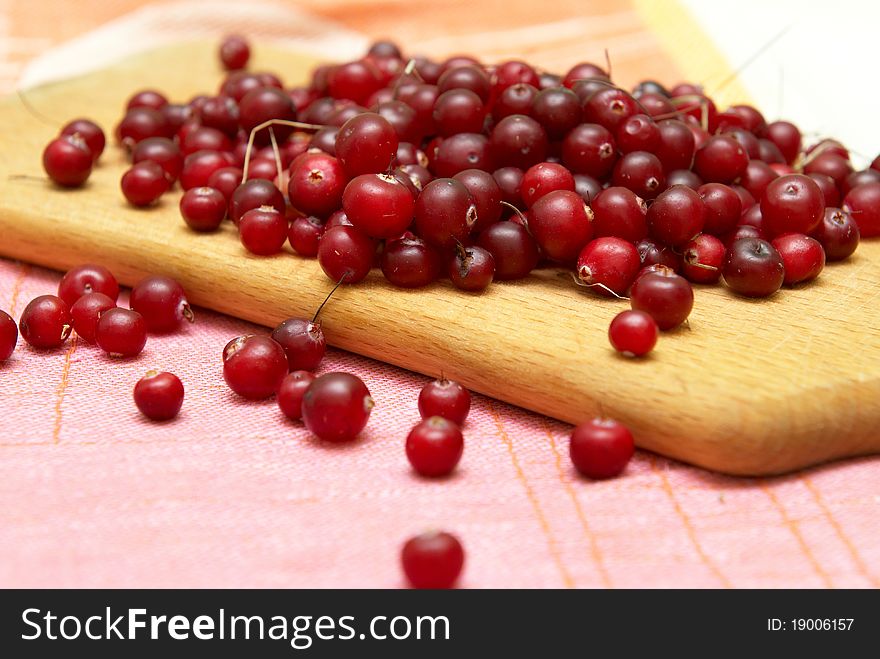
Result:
pixel 434 446
pixel 445 398
pixel 46 322
pixel 253 366
pixel 159 396
pixel 432 560
pixel 162 303
pixel 336 407
pixel 291 392
pixel 601 448
pixel 633 333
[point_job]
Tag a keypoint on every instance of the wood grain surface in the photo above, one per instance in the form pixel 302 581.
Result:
pixel 750 387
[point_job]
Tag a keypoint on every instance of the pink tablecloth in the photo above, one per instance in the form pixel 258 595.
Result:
pixel 232 494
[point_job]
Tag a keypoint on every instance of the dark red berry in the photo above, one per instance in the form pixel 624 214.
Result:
pixel 366 144
pixel 434 447
pixel 304 235
pixel 666 296
pixel 140 123
pixel 676 216
pixel 121 332
pixel 161 151
pixel 703 258
pixel 518 141
pixel 85 279
pixel 638 133
pixel 144 183
pixel 264 104
pixel 562 224
pixel 558 110
pixel 8 336
pixel 589 149
pixel 336 407
pixel 378 204
pixel 159 396
pixel 802 257
pixel 316 185
pixel 608 265
pixel 203 209
pixel 68 161
pixel 199 166
pixel 633 333
pixel 345 251
pixel 654 253
pixel 610 107
pixel 723 208
pixel 544 178
pixel 410 262
pixel 863 203
pixel 86 312
pixel 254 194
pixel 432 560
pixel 291 392
pixel 621 213
pixel 721 160
pixel 753 268
pixel 303 343
pixel 445 398
pixel 263 231
pixel 253 366
pixel 512 248
pixel 147 98
pixel 601 448
pixel 471 268
pixel 792 204
pixel 786 136
pixel 234 52
pixel 838 234
pixel 162 302
pixel 445 213
pixel 677 145
pixel 89 132
pixel 46 322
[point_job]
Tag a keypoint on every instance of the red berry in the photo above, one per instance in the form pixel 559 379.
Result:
pixel 641 172
pixel 610 107
pixel 254 366
pixel 345 251
pixel 254 194
pixel 792 204
pixel 721 160
pixel 676 216
pixel 263 231
pixel 147 98
pixel 445 398
pixel 703 258
pixel 562 224
pixel 753 268
pixel 459 111
pixel 409 262
pixel 544 178
pixel 654 253
pixel 89 132
pixel 121 332
pixel 723 208
pixel 638 133
pixel 677 145
pixel 161 151
pixel 356 81
pixel 234 52
pixel 162 302
pixel 432 560
pixel 589 149
pixel 264 104
pixel 434 446
pixel 838 233
pixel 159 396
pixel 141 123
pixel 668 297
pixel 557 109
pixel 226 180
pixel 46 322
pixel 485 192
pixel 68 161
pixel 366 144
pixel 621 213
pixel 199 166
pixel 609 265
pixel 584 71
pixel 316 185
pixel 512 248
pixel 601 448
pixel 378 204
pixel 863 203
pixel 303 342
pixel 757 177
pixel 85 279
pixel 471 268
pixel 518 141
pixel 144 183
pixel 445 213
pixel 336 407
pixel 86 312
pixel 203 209
pixel 304 235
pixel 8 336
pixel 802 257
pixel 633 333
pixel 291 392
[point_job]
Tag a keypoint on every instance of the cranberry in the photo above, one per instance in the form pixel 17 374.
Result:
pixel 753 268
pixel 86 312
pixel 863 203
pixel 147 98
pixel 410 263
pixel 144 183
pixel 159 396
pixel 655 104
pixel 432 560
pixel 620 212
pixel 263 231
pixel 633 333
pixel 677 145
pixel 238 83
pixel 684 177
pixel 162 302
pixel 378 204
pixel 225 180
pixel 265 104
pixel 203 209
pixel 8 336
pixel 638 133
pixel 703 258
pixel 543 178
pixel 336 407
pixel 253 366
pixel 46 322
pixel 723 208
pixel 304 235
pixel 434 447
pixel 721 160
pixel 140 123
pixel 512 248
pixel 786 136
pixel 176 115
pixel 838 233
pixel 303 343
pixel 255 194
pixel 832 164
pixel 676 216
pixel 518 141
pixel 460 152
pixel 366 144
pixel 653 253
pixel 68 161
pixel 471 268
pixel 587 187
pixel 856 179
pixel 609 265
pixel 85 279
pixel 345 251
pixel 486 194
pixel 356 81
pixel 516 99
pixel 514 72
pixel 668 297
pixel 742 231
pixel 589 149
pixel 610 107
pixel 291 392
pixel 161 151
pixel 509 180
pixel 89 132
pixel 459 111
pixel 234 52
pixel 199 166
pixel 640 172
pixel 802 257
pixel 601 448
pixel 792 204
pixel 562 224
pixel 558 110
pixel 445 212
pixel 121 332
pixel 445 398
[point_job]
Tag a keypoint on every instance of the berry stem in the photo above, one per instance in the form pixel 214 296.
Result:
pixel 268 124
pixel 329 295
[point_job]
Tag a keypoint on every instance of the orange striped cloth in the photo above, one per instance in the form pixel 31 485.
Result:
pixel 232 495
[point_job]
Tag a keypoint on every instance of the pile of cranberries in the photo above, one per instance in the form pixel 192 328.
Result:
pixel 457 169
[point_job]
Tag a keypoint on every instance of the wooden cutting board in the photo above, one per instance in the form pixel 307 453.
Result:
pixel 750 387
